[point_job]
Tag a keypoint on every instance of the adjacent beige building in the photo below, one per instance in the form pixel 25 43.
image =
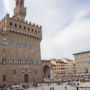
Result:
pixel 59 68
pixel 71 70
pixel 63 68
pixel 20 56
pixel 82 61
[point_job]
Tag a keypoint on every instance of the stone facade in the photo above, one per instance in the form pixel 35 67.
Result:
pixel 82 61
pixel 20 57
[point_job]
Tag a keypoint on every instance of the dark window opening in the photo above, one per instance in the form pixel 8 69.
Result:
pixel 32 30
pixel 15 25
pixel 28 29
pixel 20 26
pixel 4 78
pixel 24 27
pixel 11 23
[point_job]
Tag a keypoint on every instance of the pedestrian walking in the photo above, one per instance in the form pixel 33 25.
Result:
pixel 65 87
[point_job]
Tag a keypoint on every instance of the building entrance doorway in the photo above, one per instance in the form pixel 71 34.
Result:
pixel 26 78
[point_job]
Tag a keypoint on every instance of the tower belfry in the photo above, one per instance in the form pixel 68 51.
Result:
pixel 20 10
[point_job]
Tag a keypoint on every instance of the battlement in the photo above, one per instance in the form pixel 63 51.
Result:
pixel 26 22
pixel 25 27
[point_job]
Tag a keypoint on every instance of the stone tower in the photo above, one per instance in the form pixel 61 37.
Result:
pixel 20 53
pixel 20 10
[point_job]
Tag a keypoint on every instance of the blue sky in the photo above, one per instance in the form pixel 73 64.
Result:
pixel 65 24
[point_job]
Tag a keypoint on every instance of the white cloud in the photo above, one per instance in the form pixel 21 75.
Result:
pixel 65 28
pixel 9 6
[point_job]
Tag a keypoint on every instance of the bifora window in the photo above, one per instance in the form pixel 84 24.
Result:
pixel 4 61
pixel 19 45
pixel 25 45
pixel 11 61
pixel 12 44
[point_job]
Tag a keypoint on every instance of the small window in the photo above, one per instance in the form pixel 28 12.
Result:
pixel 3 61
pixel 31 46
pixel 10 23
pixel 20 45
pixel 12 44
pixel 25 45
pixel 20 27
pixel 36 31
pixel 15 25
pixel 28 29
pixel 32 30
pixel 4 41
pixel 24 27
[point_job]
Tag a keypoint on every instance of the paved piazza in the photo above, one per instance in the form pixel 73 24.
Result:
pixel 56 87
